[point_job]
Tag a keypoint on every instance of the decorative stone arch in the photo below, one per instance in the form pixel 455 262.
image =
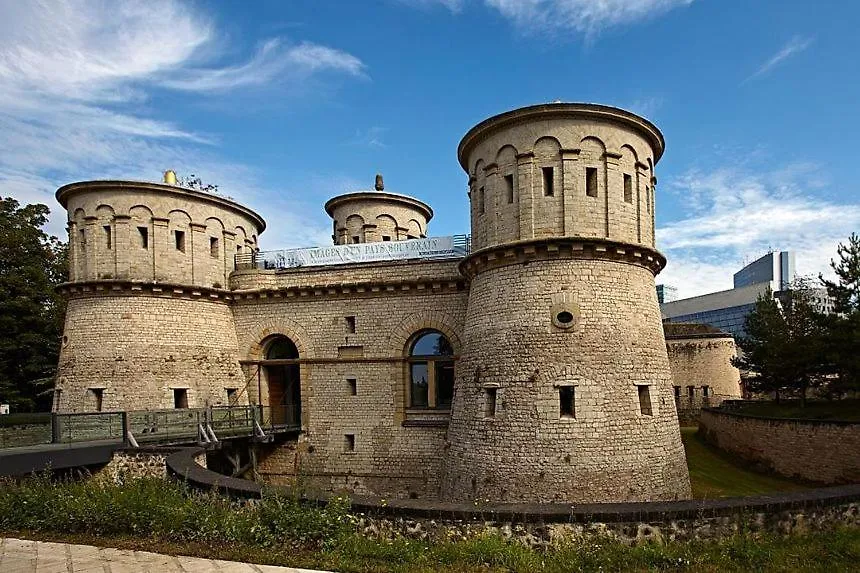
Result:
pixel 413 228
pixel 403 333
pixel 255 343
pixel 386 225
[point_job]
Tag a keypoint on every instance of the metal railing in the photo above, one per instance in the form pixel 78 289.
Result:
pixel 430 248
pixel 147 426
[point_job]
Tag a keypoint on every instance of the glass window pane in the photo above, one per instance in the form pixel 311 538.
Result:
pixel 444 384
pixel 432 343
pixel 418 390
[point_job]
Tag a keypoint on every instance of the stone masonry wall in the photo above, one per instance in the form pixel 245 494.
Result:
pixel 608 450
pixel 813 450
pixel 391 457
pixel 137 349
pixel 374 216
pixel 702 372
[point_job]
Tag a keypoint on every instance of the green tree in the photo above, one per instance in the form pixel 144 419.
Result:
pixel 32 263
pixel 843 337
pixel 784 343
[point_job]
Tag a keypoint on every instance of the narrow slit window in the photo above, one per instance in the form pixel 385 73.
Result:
pixel 677 392
pixel 481 201
pixel 691 391
pixel 144 237
pixel 628 188
pixel 180 398
pixel 214 247
pixel 83 237
pixel 566 402
pixel 98 398
pixel 349 442
pixel 591 181
pixel 352 386
pixel 179 239
pixel 644 400
pixel 548 189
pixel 706 391
pixel 509 187
pixel 350 324
pixel 490 395
pixel 108 237
pixel 355 239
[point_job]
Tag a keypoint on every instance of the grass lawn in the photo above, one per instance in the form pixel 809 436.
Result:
pixel 716 474
pixel 814 410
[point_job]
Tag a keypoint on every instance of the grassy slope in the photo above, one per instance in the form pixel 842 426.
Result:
pixel 715 474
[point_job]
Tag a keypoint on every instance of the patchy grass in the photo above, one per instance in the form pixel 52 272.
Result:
pixel 716 474
pixel 814 410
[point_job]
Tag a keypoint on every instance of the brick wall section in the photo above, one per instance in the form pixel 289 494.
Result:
pixel 138 348
pixel 818 451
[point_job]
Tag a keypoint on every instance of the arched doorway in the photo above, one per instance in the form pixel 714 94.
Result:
pixel 282 377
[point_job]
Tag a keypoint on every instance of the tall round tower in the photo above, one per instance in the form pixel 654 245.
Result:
pixel 563 390
pixel 148 324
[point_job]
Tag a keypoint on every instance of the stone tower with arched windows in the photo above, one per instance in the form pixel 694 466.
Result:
pixel 563 390
pixel 148 323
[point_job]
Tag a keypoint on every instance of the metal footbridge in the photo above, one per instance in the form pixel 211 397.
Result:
pixel 34 442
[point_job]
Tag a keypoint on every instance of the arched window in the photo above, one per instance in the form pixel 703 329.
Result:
pixel 431 371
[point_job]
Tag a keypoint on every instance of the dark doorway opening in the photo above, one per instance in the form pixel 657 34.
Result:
pixel 284 384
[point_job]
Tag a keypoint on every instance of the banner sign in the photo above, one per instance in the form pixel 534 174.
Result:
pixel 431 248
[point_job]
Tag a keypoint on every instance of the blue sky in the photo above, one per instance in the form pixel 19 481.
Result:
pixel 284 104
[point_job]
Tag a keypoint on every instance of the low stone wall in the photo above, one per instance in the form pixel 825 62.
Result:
pixel 818 451
pixel 541 524
pixel 136 463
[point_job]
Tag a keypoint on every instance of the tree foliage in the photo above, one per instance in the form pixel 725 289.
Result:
pixel 784 343
pixel 843 340
pixel 32 263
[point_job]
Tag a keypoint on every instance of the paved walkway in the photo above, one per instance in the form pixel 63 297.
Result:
pixel 20 556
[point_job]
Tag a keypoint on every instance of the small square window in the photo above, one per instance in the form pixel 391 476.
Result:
pixel 180 398
pixel 548 189
pixel 179 239
pixel 644 400
pixel 144 237
pixel 352 385
pixel 490 395
pixel 566 402
pixel 386 238
pixel 355 239
pixel 628 188
pixel 232 396
pixel 108 237
pixel 214 247
pixel 349 442
pixel 509 187
pixel 350 324
pixel 591 181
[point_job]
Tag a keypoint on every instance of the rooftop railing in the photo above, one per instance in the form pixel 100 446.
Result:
pixel 430 248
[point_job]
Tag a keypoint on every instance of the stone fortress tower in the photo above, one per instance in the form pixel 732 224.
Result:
pixel 563 389
pixel 148 324
pixel 375 216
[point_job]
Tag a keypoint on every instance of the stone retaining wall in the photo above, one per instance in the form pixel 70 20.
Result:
pixel 813 450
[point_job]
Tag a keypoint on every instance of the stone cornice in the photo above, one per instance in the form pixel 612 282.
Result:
pixel 66 191
pixel 454 283
pixel 120 287
pixel 560 110
pixel 561 248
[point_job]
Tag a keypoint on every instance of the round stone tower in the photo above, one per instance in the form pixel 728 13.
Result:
pixel 147 323
pixel 563 390
pixel 374 216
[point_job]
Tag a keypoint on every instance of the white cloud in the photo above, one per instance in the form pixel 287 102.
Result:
pixel 585 16
pixel 75 77
pixel 794 46
pixel 738 214
pixel 452 5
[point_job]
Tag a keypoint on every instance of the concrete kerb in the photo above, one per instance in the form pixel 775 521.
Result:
pixel 181 465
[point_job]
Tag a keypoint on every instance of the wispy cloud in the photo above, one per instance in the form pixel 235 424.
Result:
pixel 452 5
pixel 75 77
pixel 794 46
pixel 737 214
pixel 588 17
pixel 370 137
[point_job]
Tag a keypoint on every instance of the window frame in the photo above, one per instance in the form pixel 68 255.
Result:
pixel 432 363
